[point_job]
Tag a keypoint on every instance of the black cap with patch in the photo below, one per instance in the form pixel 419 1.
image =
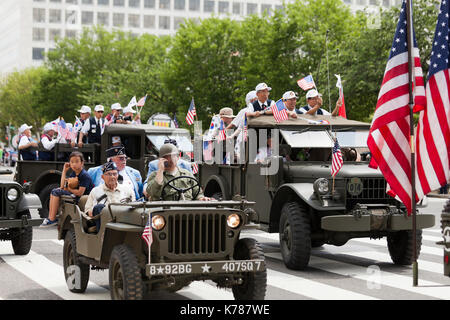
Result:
pixel 109 166
pixel 115 151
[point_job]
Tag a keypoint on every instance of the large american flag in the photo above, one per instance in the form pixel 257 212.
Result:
pixel 433 131
pixel 389 136
pixel 306 83
pixel 191 113
pixel 336 159
pixel 280 112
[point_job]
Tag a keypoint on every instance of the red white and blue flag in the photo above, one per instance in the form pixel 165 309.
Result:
pixel 280 111
pixel 245 127
pixel 389 136
pixel 194 167
pixel 222 133
pixel 141 101
pixel 191 113
pixel 306 83
pixel 147 235
pixel 336 161
pixel 433 130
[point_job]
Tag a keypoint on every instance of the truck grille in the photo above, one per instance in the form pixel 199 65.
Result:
pixel 197 234
pixel 374 191
pixel 3 212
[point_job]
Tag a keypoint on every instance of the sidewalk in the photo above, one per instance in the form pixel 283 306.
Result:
pixel 435 194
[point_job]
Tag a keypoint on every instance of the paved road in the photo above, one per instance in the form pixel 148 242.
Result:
pixel 361 269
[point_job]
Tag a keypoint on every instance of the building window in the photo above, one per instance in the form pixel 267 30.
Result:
pixel 180 4
pixel 362 2
pixel 38 34
pixel 72 1
pixel 134 3
pixel 71 34
pixel 87 17
pixel 39 0
pixel 164 4
pixel 224 7
pixel 38 15
pixel 118 19
pixel 87 1
pixel 208 6
pixel 386 3
pixel 150 4
pixel 164 23
pixel 177 22
pixel 119 3
pixel 252 8
pixel 58 1
pixel 278 7
pixel 54 34
pixel 133 21
pixel 103 18
pixel 266 8
pixel 54 15
pixel 38 53
pixel 71 17
pixel 350 1
pixel 103 2
pixel 373 2
pixel 149 21
pixel 194 5
pixel 237 8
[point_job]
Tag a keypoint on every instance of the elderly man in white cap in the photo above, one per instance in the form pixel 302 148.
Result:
pixel 129 117
pixel 48 143
pixel 225 115
pixel 114 116
pixel 85 113
pixel 290 101
pixel 314 106
pixel 93 127
pixel 263 104
pixel 26 143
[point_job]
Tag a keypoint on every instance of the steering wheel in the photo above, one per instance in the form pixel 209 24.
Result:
pixel 181 191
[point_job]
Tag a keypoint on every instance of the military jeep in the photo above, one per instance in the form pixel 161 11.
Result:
pixel 16 224
pixel 192 240
pixel 301 201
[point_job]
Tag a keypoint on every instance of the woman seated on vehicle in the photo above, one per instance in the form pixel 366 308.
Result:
pixel 79 183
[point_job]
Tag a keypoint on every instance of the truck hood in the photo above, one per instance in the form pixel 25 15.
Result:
pixel 323 170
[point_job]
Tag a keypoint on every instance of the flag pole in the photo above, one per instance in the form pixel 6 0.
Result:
pixel 411 76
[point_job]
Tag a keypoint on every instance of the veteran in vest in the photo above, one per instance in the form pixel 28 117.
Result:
pixel 93 127
pixel 48 143
pixel 168 170
pixel 314 106
pixel 263 104
pixel 27 146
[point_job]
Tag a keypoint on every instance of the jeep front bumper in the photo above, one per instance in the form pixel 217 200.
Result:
pixel 20 223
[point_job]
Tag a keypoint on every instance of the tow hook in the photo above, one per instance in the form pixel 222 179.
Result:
pixel 25 222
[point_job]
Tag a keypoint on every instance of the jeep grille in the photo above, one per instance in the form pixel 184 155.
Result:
pixel 374 191
pixel 3 212
pixel 197 234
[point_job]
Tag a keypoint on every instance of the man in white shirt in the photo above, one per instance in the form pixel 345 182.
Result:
pixel 48 142
pixel 314 106
pixel 93 127
pixel 26 143
pixel 263 104
pixel 109 192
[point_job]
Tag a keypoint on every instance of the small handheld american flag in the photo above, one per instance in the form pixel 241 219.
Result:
pixel 245 127
pixel 147 235
pixel 194 166
pixel 222 134
pixel 280 112
pixel 336 160
pixel 306 83
pixel 191 113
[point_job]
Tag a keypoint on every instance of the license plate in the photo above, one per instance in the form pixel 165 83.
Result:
pixel 205 268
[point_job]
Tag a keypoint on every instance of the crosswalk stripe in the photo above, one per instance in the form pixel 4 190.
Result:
pixel 388 279
pixel 383 243
pixel 204 291
pixel 48 274
pixel 312 289
pixel 433 230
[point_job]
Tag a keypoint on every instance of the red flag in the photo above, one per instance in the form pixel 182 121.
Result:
pixel 341 111
pixel 389 136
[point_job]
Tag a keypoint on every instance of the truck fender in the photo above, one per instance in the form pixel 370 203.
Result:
pixel 217 183
pixel 29 201
pixel 45 178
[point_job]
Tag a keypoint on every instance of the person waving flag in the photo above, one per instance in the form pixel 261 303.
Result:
pixel 191 113
pixel 306 83
pixel 280 111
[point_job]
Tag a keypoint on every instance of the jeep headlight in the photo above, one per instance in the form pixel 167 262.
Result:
pixel 158 222
pixel 12 194
pixel 321 186
pixel 233 220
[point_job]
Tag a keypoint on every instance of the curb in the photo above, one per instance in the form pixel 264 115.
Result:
pixel 441 196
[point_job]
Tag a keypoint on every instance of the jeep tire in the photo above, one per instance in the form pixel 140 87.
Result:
pixel 400 245
pixel 21 238
pixel 75 272
pixel 295 236
pixel 44 195
pixel 125 279
pixel 254 283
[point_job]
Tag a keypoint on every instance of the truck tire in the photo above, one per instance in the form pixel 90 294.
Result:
pixel 125 279
pixel 400 245
pixel 21 238
pixel 254 283
pixel 75 272
pixel 44 195
pixel 295 236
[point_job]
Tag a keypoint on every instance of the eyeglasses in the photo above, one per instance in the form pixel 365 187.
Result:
pixel 122 158
pixel 111 174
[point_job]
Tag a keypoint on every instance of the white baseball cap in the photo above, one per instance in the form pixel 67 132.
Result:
pixel 251 95
pixel 85 109
pixel 128 109
pixel 116 106
pixel 24 127
pixel 99 107
pixel 48 126
pixel 262 86
pixel 289 95
pixel 312 93
pixel 115 139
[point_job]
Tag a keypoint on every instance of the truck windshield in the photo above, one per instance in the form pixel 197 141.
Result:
pixel 321 139
pixel 183 141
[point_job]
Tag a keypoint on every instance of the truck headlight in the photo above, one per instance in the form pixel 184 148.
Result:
pixel 233 220
pixel 12 194
pixel 158 222
pixel 321 186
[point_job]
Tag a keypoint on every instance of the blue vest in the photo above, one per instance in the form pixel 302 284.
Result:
pixel 46 155
pixel 28 153
pixel 257 107
pixel 94 135
pixel 307 108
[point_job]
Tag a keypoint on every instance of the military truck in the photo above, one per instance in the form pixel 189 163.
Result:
pixel 192 241
pixel 142 143
pixel 16 224
pixel 302 202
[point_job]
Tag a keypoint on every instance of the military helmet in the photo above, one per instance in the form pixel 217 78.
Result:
pixel 168 149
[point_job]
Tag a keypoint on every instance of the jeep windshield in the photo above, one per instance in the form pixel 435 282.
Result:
pixel 322 138
pixel 183 140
